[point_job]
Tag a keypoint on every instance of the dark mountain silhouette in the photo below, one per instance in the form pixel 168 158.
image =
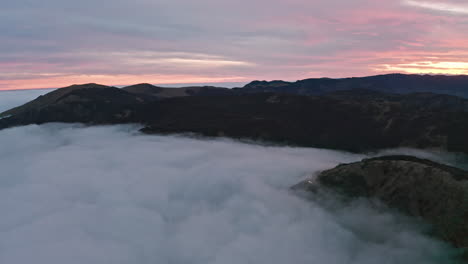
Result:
pixel 162 92
pixel 390 83
pixel 88 103
pixel 351 123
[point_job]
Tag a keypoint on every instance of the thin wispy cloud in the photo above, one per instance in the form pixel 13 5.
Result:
pixel 439 6
pixel 428 67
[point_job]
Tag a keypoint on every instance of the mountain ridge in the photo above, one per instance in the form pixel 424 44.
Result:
pixel 354 120
pixel 390 83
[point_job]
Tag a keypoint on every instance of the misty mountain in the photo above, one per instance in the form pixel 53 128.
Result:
pixel 422 188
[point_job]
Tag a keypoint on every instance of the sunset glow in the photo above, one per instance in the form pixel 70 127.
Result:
pixel 127 42
pixel 428 67
pixel 62 81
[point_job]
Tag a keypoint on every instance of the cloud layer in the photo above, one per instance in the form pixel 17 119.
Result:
pixel 73 194
pixel 10 99
pixel 122 42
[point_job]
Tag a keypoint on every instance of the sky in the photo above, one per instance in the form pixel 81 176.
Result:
pixel 54 43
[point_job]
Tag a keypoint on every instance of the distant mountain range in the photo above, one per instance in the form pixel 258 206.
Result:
pixel 390 83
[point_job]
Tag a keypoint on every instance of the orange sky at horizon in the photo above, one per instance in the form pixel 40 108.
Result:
pixel 126 80
pixel 110 80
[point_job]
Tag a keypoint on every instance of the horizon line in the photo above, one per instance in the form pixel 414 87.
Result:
pixel 172 85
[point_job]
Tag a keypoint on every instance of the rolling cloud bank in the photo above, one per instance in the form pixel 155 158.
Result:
pixel 73 194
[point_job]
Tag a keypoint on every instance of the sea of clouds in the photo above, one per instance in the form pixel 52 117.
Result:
pixel 10 99
pixel 71 194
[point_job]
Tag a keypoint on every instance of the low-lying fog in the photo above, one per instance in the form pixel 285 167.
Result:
pixel 97 195
pixel 10 99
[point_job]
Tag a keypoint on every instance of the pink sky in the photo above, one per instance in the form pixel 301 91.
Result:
pixel 58 43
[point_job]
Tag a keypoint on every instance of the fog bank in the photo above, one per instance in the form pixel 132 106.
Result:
pixel 10 99
pixel 73 194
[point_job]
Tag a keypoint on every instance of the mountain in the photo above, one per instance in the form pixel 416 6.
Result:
pixel 390 83
pixel 144 88
pixel 357 120
pixel 88 103
pixel 161 92
pixel 54 96
pixel 430 191
pixel 353 123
